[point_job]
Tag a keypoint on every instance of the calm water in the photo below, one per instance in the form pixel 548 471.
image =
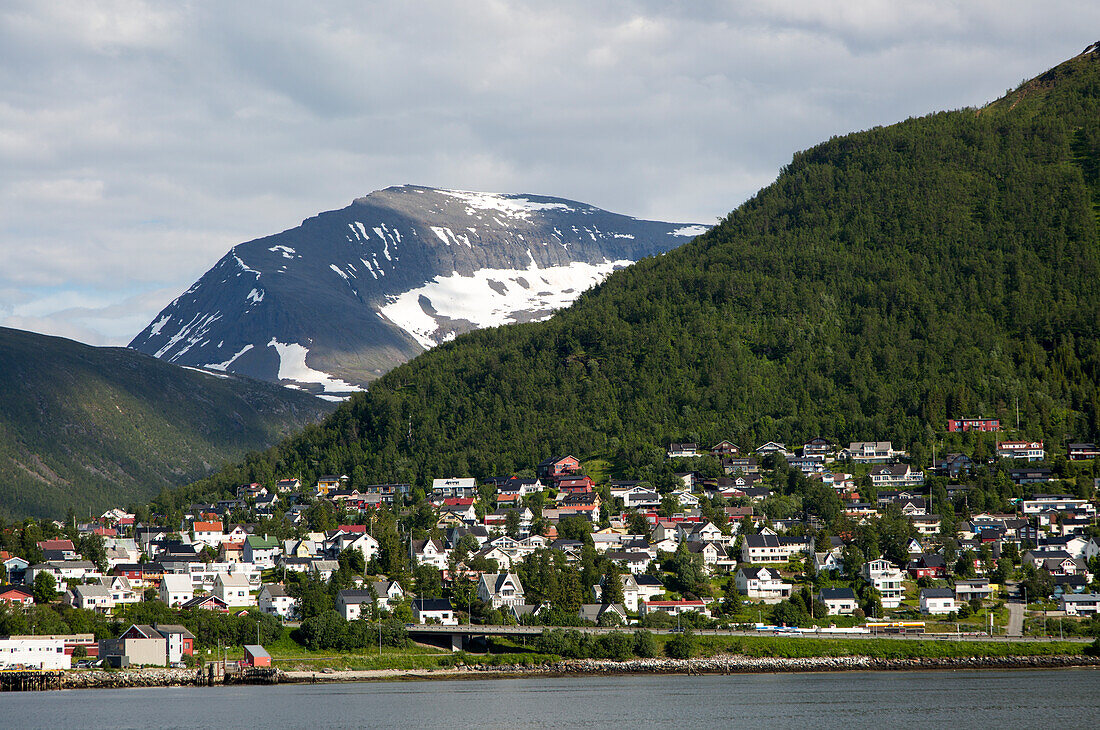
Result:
pixel 1058 699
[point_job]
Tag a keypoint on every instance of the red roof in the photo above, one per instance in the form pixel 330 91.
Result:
pixel 207 526
pixel 56 545
pixel 674 603
pixel 358 529
pixel 458 501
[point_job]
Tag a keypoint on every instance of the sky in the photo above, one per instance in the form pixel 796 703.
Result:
pixel 140 140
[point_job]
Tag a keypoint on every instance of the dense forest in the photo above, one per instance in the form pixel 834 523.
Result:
pixel 948 265
pixel 87 428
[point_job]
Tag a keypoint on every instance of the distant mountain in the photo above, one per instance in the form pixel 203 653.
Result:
pixel 336 302
pixel 944 266
pixel 87 428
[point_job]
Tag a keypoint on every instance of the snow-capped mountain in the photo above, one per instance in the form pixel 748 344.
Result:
pixel 349 294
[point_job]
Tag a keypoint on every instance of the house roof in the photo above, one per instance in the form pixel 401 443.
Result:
pixel 937 593
pixel 166 629
pixel 432 604
pixel 837 594
pixel 259 542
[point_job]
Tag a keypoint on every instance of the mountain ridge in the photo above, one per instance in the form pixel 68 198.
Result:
pixel 88 428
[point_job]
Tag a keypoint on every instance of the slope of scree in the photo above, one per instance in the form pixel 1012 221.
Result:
pixel 87 428
pixel 943 266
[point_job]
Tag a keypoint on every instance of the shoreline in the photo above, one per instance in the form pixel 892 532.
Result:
pixel 719 664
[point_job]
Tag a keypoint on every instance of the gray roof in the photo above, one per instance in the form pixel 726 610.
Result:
pixel 937 593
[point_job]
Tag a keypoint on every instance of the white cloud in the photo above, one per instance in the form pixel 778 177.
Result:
pixel 140 140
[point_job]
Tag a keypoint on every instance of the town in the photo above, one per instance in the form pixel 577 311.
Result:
pixel 997 538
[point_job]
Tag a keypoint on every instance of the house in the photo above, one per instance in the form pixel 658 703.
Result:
pixel 176 589
pixel 828 562
pixel 634 561
pixel 640 497
pixel 595 611
pixel 818 448
pixel 773 549
pixel 674 608
pixel 91 597
pixel 428 552
pixel 838 601
pixel 973 588
pixel 886 579
pixel 869 452
pixel 1080 452
pixel 255 656
pixel 206 603
pixel 234 589
pixel 683 451
pixel 434 610
pixel 261 551
pixel 33 652
pixel 895 475
pixel 209 533
pixel 740 464
pixel 556 466
pixel 724 449
pixel 762 584
pixel 275 601
pixel 1031 475
pixel 454 487
pixel 937 601
pixel 64 549
pixel 323 569
pixel 17 596
pixel 987 425
pixel 772 447
pixel 500 589
pixel 929 565
pixel 1058 503
pixel 711 552
pixel 138 645
pixel 1021 450
pixel 349 602
pixel 1080 604
pixel 179 642
pixel 952 465
pixel 631 593
pixel 329 482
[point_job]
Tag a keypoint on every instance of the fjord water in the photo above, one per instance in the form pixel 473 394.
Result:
pixel 1057 698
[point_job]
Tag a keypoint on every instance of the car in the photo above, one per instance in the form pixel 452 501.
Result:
pixel 178 665
pixel 85 663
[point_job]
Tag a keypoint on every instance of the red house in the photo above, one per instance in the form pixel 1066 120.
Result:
pixel 16 595
pixel 557 466
pixel 575 484
pixel 956 425
pixel 255 656
pixel 928 566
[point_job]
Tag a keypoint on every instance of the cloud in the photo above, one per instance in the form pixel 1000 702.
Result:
pixel 140 140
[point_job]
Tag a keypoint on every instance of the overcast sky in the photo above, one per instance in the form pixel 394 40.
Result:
pixel 139 141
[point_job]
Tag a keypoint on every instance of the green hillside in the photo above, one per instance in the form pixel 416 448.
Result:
pixel 944 266
pixel 87 428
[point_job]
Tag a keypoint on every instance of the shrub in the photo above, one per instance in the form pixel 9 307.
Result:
pixel 681 645
pixel 645 644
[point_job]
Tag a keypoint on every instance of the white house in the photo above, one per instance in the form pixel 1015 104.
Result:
pixel 428 552
pixel 937 600
pixel 176 589
pixel 838 601
pixel 886 579
pixel 33 652
pixel 275 601
pixel 434 610
pixel 500 589
pixel 1080 604
pixel 233 588
pixel 762 584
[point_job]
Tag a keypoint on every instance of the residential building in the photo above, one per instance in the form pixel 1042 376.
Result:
pixel 1080 604
pixel 275 601
pixel 234 589
pixel 838 601
pixel 1021 450
pixel 434 610
pixel 176 589
pixel 869 452
pixel 987 425
pixel 885 577
pixel 762 584
pixel 674 608
pixel 454 487
pixel 33 652
pixel 937 601
pixel 500 589
pixel 261 551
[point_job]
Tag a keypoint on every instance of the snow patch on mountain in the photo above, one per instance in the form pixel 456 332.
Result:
pixel 692 231
pixel 223 366
pixel 492 297
pixel 292 366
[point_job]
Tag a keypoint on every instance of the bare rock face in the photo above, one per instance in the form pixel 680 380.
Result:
pixel 338 301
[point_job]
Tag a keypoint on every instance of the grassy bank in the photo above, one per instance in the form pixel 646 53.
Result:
pixel 779 646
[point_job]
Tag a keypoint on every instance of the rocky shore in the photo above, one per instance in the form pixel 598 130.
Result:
pixel 103 679
pixel 720 664
pixel 739 664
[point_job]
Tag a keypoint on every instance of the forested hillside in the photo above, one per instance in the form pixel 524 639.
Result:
pixel 943 266
pixel 86 428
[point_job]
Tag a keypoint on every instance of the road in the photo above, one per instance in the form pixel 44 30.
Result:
pixel 483 630
pixel 1016 608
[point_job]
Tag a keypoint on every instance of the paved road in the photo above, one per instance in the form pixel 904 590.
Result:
pixel 480 630
pixel 1016 608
